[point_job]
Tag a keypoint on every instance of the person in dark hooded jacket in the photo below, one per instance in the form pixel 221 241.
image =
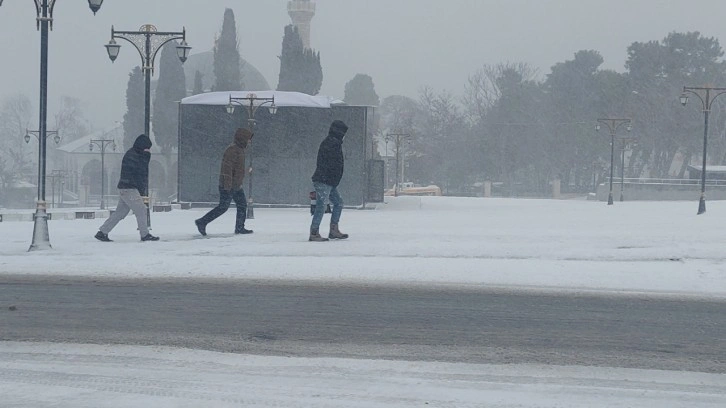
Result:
pixel 231 175
pixel 133 185
pixel 327 176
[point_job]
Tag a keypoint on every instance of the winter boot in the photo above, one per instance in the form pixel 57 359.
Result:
pixel 102 237
pixel 149 237
pixel 335 233
pixel 315 236
pixel 243 231
pixel 201 226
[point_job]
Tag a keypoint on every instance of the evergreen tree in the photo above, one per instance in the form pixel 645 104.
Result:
pixel 314 72
pixel 170 89
pixel 227 67
pixel 300 69
pixel 134 116
pixel 361 91
pixel 198 84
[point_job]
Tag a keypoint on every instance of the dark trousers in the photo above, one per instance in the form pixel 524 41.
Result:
pixel 225 198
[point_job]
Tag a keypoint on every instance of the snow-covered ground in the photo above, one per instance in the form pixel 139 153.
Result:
pixel 652 247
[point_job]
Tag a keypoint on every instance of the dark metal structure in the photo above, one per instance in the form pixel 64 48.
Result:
pixel 284 152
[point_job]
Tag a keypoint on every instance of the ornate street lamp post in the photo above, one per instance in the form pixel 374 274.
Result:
pixel 44 23
pixel 57 176
pixel 36 133
pixel 148 41
pixel 707 99
pixel 102 144
pixel 399 139
pixel 613 124
pixel 625 142
pixel 251 102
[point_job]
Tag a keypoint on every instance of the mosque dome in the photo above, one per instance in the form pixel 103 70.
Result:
pixel 204 63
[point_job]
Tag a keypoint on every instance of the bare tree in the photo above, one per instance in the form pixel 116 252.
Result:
pixel 483 88
pixel 15 116
pixel 69 120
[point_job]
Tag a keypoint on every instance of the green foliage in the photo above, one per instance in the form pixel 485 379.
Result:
pixel 361 91
pixel 525 133
pixel 576 97
pixel 657 72
pixel 300 69
pixel 227 69
pixel 170 89
pixel 134 116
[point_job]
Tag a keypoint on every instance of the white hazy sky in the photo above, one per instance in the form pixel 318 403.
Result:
pixel 402 44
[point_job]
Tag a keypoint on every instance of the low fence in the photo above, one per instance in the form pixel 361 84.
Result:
pixel 654 189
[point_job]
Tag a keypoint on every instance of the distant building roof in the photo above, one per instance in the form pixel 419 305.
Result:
pixel 115 133
pixel 709 169
pixel 282 99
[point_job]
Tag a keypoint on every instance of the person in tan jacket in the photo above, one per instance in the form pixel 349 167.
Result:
pixel 231 176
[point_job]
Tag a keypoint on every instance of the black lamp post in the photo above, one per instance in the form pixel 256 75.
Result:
pixel 613 125
pixel 44 23
pixel 399 139
pixel 102 144
pixel 148 41
pixel 707 99
pixel 625 141
pixel 251 102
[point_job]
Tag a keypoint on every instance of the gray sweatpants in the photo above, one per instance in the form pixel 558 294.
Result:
pixel 128 200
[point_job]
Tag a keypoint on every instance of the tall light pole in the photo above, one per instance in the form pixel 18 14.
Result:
pixel 613 125
pixel 44 23
pixel 251 102
pixel 707 98
pixel 102 144
pixel 625 141
pixel 148 41
pixel 399 139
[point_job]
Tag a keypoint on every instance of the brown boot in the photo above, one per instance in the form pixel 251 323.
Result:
pixel 335 233
pixel 315 236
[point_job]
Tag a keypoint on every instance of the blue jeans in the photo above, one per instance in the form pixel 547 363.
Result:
pixel 322 193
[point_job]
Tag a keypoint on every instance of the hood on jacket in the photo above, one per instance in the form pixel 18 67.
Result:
pixel 142 143
pixel 242 137
pixel 338 129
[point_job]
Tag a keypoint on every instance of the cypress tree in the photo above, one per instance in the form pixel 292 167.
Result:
pixel 227 68
pixel 361 91
pixel 198 84
pixel 300 68
pixel 170 89
pixel 134 116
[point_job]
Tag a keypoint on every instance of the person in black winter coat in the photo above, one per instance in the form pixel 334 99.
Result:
pixel 327 176
pixel 133 185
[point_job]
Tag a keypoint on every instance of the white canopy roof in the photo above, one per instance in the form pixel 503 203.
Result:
pixel 282 99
